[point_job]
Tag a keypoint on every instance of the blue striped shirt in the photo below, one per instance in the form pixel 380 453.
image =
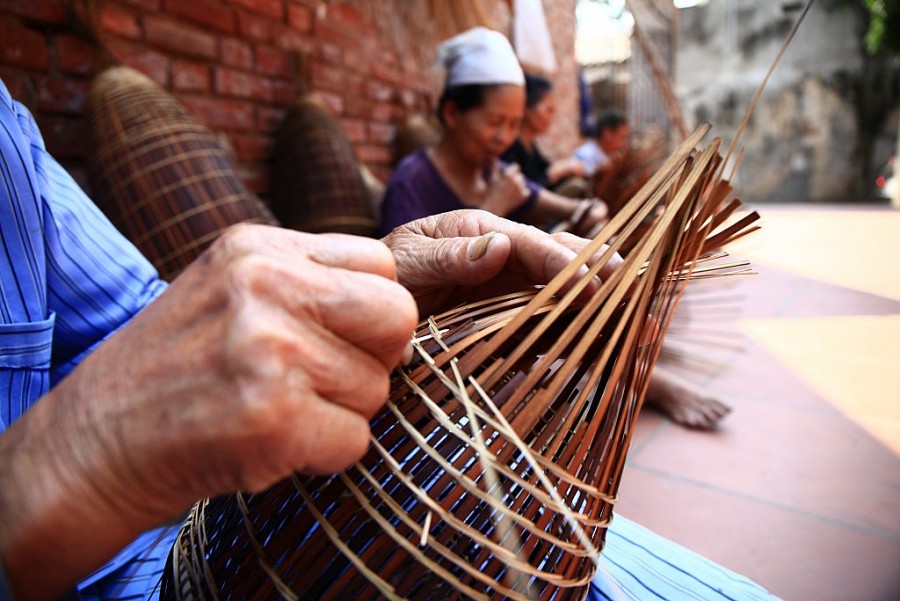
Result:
pixel 68 280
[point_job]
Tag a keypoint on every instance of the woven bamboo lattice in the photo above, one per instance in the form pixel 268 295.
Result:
pixel 493 470
pixel 316 181
pixel 160 176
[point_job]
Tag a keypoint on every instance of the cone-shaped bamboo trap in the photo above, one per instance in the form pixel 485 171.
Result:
pixel 161 176
pixel 494 468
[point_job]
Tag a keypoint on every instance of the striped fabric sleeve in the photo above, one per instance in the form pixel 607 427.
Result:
pixel 96 280
pixel 639 564
pixel 67 280
pixel 26 323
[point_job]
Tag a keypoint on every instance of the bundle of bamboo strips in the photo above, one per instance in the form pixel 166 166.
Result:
pixel 494 468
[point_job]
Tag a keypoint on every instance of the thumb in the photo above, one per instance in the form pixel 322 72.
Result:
pixel 468 261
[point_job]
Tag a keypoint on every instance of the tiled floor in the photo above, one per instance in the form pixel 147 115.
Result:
pixel 799 488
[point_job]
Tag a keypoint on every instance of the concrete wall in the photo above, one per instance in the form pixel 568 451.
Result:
pixel 802 142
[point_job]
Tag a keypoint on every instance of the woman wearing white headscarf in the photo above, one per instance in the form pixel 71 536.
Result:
pixel 481 110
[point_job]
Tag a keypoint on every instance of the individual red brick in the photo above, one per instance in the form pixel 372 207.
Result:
pixel 357 106
pixel 238 84
pixel 328 78
pixel 50 11
pixel 19 84
pixel 356 61
pixel 329 53
pixel 65 137
pixel 354 129
pixel 236 53
pixel 379 91
pixel 284 91
pixel 254 27
pixel 268 119
pixel 348 18
pixel 334 34
pixel 382 112
pixel 374 155
pixel 179 38
pixel 273 61
pixel 149 62
pixel 146 6
pixel 61 95
pixel 389 74
pixel 220 113
pixel 270 8
pixel 288 39
pixel 120 22
pixel 300 18
pixel 381 133
pixel 190 76
pixel 210 13
pixel 397 114
pixel 253 148
pixel 75 55
pixel 23 47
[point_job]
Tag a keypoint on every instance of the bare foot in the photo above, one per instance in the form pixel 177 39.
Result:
pixel 682 401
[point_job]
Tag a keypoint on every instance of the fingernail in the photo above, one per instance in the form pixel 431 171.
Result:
pixel 479 246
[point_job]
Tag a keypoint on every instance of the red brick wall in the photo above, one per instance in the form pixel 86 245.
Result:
pixel 238 63
pixel 563 135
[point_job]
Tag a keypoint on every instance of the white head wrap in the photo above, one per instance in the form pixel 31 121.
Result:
pixel 480 56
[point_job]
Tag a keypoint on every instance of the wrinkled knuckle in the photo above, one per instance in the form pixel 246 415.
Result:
pixel 243 273
pixel 238 239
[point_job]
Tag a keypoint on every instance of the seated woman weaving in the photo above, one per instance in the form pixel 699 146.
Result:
pixel 481 110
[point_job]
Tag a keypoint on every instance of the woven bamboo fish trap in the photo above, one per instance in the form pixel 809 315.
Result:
pixel 317 185
pixel 160 176
pixel 494 468
pixel 415 132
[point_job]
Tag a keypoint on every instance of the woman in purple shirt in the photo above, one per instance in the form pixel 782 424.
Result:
pixel 481 110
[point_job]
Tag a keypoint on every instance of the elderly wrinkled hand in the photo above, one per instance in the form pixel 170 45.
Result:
pixel 506 191
pixel 268 355
pixel 467 255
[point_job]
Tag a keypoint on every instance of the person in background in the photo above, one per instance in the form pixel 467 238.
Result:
pixel 481 109
pixel 564 176
pixel 609 138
